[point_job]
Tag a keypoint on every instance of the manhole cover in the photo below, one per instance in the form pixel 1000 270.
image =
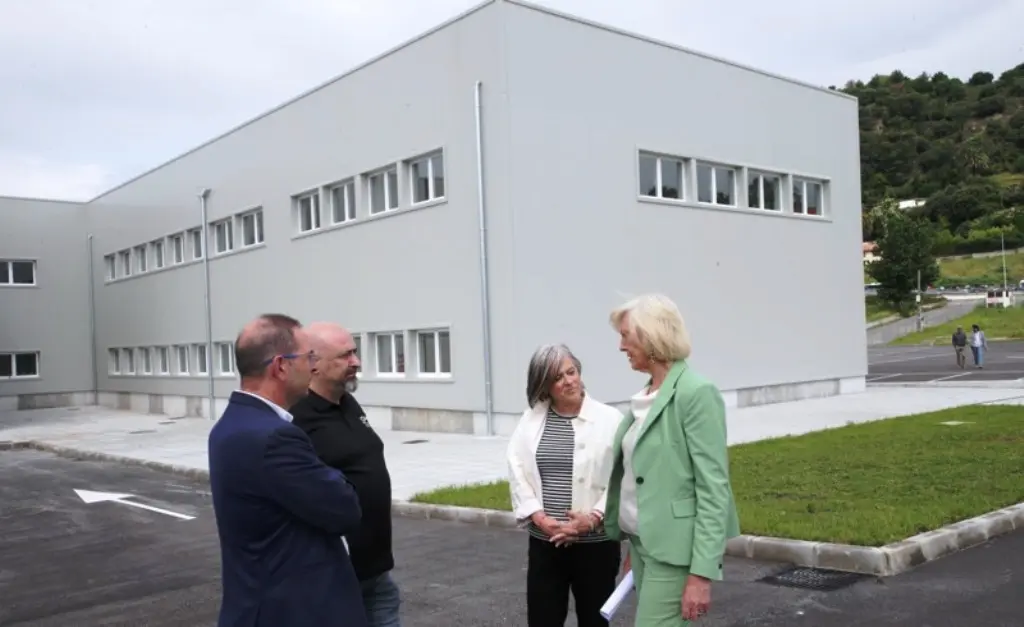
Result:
pixel 414 442
pixel 814 579
pixel 141 431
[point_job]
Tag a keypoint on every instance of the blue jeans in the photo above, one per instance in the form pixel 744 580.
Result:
pixel 979 355
pixel 381 600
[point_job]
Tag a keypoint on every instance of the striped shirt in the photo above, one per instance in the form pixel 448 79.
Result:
pixel 555 454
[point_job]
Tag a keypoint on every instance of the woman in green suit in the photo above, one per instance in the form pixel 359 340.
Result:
pixel 669 493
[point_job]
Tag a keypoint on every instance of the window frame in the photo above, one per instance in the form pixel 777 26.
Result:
pixel 315 210
pixel 110 266
pixel 217 227
pixel 805 182
pixel 715 166
pixel 201 361
pixel 395 373
pixel 438 372
pixel 9 280
pixel 140 257
pixel 256 216
pixel 348 193
pixel 124 262
pixel 114 361
pixel 159 249
pixel 128 361
pixel 196 242
pixel 760 175
pixel 219 348
pixel 145 361
pixel 12 360
pixel 177 244
pixel 180 358
pixel 163 361
pixel 390 178
pixel 659 160
pixel 432 196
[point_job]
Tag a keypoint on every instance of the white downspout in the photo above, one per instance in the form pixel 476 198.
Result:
pixel 484 283
pixel 205 231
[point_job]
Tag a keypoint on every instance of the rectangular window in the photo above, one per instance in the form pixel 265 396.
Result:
pixel 110 264
pixel 145 361
pixel 21 365
pixel 178 248
pixel 114 360
pixel 343 202
pixel 435 353
pixel 222 237
pixel 661 177
pixel 251 225
pixel 358 339
pixel 163 361
pixel 195 238
pixel 716 185
pixel 17 272
pixel 202 362
pixel 124 262
pixel 390 354
pixel 382 189
pixel 427 178
pixel 158 253
pixel 127 361
pixel 808 197
pixel 141 258
pixel 181 357
pixel 225 361
pixel 763 191
pixel 307 208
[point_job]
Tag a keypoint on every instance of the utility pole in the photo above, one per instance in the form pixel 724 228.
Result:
pixel 920 314
pixel 1002 247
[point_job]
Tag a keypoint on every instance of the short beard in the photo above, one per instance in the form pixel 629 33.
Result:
pixel 351 385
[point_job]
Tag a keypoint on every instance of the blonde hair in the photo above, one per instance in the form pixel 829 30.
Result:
pixel 657 324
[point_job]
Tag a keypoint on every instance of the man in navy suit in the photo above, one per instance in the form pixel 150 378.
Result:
pixel 281 512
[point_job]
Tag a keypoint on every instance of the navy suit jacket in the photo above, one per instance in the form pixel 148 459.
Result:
pixel 280 515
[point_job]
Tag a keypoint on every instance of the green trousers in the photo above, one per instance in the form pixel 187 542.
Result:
pixel 659 589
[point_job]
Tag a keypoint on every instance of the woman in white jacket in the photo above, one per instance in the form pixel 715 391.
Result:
pixel 559 461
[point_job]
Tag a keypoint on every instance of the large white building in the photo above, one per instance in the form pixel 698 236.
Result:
pixel 499 182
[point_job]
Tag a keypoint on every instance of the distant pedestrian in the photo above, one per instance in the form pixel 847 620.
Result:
pixel 978 346
pixel 336 424
pixel 559 459
pixel 280 511
pixel 959 344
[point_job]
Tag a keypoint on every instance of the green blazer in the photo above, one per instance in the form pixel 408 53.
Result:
pixel 685 505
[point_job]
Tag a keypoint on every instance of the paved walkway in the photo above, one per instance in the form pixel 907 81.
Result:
pixel 424 461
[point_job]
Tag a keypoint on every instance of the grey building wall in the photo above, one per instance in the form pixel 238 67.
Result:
pixel 770 298
pixel 50 318
pixel 410 269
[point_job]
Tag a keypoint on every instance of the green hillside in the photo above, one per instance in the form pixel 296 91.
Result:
pixel 958 144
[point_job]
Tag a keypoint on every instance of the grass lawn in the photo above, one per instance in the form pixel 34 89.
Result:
pixel 983 270
pixel 876 310
pixel 867 484
pixel 996 322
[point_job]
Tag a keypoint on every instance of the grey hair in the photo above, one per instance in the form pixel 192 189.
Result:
pixel 543 371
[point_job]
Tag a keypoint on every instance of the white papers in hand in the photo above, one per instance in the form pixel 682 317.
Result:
pixel 615 600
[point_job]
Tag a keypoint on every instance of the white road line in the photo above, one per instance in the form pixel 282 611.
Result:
pixel 903 359
pixel 884 376
pixel 952 376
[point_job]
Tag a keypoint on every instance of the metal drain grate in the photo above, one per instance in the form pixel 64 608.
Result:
pixel 414 442
pixel 814 579
pixel 141 431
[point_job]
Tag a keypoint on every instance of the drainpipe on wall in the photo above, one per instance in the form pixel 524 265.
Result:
pixel 92 326
pixel 203 195
pixel 484 283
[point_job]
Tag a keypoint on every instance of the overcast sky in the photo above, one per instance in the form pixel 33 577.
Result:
pixel 93 92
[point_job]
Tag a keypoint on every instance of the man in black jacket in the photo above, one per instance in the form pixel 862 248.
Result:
pixel 959 344
pixel 343 439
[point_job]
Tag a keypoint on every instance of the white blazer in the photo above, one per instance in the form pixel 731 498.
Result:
pixel 594 428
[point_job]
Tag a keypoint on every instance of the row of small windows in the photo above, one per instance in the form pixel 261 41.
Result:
pixel 379 193
pixel 692 180
pixel 181 360
pixel 433 357
pixel 19 365
pixel 17 272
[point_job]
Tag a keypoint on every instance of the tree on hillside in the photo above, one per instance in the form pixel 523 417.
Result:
pixel 904 248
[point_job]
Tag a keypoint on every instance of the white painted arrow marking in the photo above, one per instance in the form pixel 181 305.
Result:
pixel 88 496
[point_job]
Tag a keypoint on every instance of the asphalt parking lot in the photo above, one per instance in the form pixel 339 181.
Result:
pixel 64 561
pixel 1004 361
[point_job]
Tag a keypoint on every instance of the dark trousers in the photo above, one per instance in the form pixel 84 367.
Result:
pixel 588 569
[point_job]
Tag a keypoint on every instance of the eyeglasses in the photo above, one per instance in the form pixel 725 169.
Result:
pixel 311 356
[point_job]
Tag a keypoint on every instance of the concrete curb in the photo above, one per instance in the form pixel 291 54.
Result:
pixel 885 561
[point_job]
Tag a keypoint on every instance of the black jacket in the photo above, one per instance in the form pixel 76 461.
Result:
pixel 344 440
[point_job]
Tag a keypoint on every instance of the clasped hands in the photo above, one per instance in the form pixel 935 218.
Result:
pixel 565 533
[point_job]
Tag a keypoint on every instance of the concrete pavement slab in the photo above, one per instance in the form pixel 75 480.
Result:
pixel 65 562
